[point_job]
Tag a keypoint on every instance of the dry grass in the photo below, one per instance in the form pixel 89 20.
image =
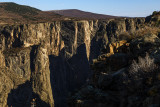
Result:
pixel 144 65
pixel 146 30
pixel 143 73
pixel 139 33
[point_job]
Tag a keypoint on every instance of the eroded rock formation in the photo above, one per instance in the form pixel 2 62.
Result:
pixel 126 74
pixel 47 61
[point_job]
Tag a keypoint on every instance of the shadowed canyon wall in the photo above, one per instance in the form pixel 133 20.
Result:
pixel 47 61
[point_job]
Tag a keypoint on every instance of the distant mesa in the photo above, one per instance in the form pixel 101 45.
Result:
pixel 14 13
pixel 82 14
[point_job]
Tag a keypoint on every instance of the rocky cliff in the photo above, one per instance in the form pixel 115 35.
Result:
pixel 45 62
pixel 126 73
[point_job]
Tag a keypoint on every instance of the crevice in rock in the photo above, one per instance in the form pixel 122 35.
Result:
pixel 32 57
pixel 68 75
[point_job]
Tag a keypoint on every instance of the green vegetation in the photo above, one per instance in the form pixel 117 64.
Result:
pixel 26 12
pixel 156 13
pixel 30 18
pixel 155 17
pixel 20 9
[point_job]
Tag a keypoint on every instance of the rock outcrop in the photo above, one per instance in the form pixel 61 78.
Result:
pixel 47 61
pixel 124 76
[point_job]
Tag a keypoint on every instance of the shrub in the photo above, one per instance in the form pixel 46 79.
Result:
pixel 124 36
pixel 139 33
pixel 143 66
pixel 156 13
pixel 142 74
pixel 145 31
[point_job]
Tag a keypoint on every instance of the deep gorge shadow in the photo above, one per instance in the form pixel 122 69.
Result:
pixel 68 75
pixel 23 95
pixel 95 49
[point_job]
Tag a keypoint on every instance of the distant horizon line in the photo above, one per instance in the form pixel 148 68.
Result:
pixel 81 10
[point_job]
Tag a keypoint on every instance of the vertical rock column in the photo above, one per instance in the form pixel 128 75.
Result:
pixel 56 44
pixel 88 30
pixel 5 87
pixel 41 77
pixel 2 60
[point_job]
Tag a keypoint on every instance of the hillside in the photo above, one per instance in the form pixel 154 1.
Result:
pixel 12 13
pixel 15 13
pixel 82 14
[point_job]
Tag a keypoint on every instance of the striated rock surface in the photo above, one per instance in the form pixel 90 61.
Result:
pixel 41 76
pixel 47 61
pixel 124 75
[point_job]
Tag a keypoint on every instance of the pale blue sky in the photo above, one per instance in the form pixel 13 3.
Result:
pixel 133 8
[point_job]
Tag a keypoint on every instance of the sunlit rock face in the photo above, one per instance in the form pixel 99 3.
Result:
pixel 47 61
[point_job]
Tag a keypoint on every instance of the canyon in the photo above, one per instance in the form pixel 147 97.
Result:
pixel 49 61
pixel 52 58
